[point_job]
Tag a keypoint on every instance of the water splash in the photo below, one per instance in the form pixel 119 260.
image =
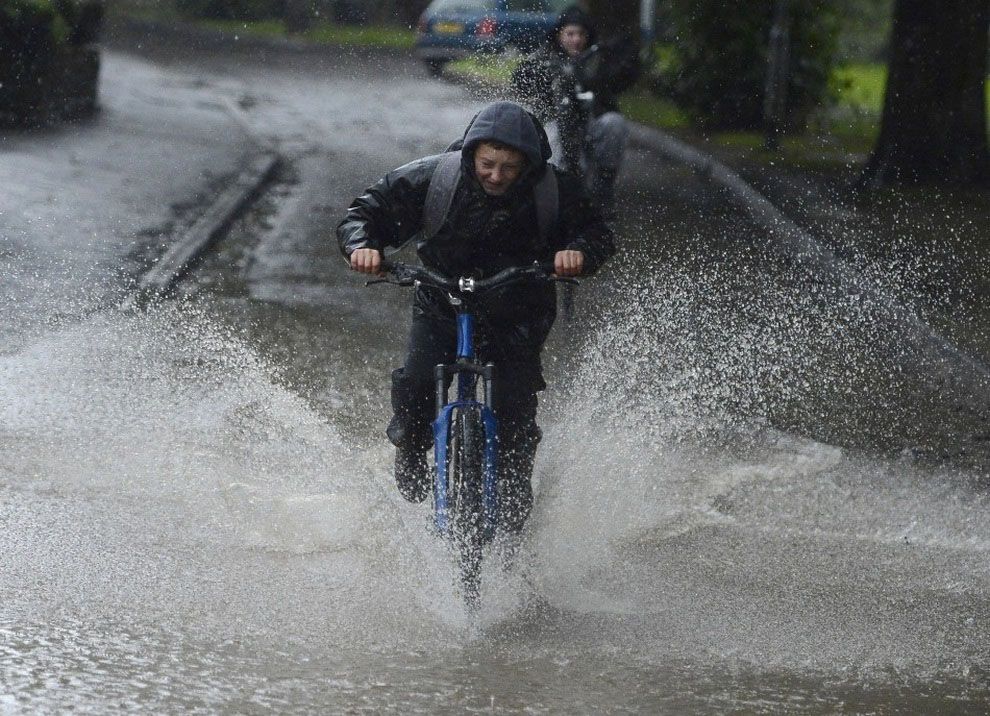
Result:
pixel 670 500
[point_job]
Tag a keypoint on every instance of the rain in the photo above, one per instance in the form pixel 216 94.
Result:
pixel 762 485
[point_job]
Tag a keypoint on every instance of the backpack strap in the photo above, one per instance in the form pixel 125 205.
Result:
pixel 547 198
pixel 440 195
pixel 443 185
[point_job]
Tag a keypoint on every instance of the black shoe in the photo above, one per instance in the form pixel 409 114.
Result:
pixel 412 474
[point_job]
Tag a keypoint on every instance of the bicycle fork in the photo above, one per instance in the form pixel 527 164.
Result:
pixel 467 371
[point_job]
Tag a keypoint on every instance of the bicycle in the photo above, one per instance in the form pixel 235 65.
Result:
pixel 465 435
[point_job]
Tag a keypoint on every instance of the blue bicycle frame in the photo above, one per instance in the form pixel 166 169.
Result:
pixel 467 370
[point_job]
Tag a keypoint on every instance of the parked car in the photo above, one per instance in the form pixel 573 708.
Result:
pixel 453 29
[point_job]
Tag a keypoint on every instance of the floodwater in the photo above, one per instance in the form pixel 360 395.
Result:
pixel 732 514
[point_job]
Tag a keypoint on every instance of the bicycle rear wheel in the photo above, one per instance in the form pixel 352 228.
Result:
pixel 465 488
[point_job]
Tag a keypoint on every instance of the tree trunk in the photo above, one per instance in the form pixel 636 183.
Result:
pixel 617 20
pixel 934 123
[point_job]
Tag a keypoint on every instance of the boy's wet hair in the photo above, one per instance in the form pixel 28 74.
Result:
pixel 502 146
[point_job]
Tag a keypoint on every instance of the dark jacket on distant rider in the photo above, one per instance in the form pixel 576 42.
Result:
pixel 541 77
pixel 484 234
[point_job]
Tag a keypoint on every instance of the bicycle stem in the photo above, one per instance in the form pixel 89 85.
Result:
pixel 465 335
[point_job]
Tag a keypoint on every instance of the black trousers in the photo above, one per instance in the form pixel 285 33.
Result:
pixel 518 379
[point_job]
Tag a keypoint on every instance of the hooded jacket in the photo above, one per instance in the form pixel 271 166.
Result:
pixel 483 234
pixel 573 15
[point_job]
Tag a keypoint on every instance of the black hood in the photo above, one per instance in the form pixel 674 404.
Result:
pixel 510 124
pixel 574 15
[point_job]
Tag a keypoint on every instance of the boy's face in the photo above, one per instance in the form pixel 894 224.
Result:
pixel 497 168
pixel 573 39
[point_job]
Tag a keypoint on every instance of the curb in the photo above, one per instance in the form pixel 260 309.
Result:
pixel 206 230
pixel 787 235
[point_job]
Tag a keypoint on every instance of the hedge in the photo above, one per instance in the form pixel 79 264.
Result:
pixel 48 69
pixel 719 67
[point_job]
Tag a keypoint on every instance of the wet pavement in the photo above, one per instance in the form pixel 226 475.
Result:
pixel 84 207
pixel 735 506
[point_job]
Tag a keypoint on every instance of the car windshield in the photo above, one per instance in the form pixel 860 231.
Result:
pixel 540 6
pixel 462 5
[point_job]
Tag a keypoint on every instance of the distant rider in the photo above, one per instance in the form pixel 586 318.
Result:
pixel 545 81
pixel 492 225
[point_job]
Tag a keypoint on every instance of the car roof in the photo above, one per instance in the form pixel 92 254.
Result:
pixel 541 7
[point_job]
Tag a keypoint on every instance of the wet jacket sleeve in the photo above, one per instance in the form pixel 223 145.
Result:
pixel 390 212
pixel 582 227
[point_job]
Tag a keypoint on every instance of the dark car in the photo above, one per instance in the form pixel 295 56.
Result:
pixel 453 29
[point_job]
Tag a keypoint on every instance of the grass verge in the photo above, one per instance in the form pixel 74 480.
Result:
pixel 322 33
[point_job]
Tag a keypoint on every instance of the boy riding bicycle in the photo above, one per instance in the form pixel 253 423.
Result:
pixel 592 133
pixel 499 208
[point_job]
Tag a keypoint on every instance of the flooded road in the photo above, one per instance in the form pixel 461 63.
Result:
pixel 732 514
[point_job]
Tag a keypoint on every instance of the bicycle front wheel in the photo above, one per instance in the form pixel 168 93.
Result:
pixel 465 495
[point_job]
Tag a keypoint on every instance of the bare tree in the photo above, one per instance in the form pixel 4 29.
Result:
pixel 934 123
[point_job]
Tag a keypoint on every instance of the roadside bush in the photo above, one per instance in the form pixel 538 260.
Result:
pixel 47 70
pixel 300 14
pixel 232 9
pixel 83 18
pixel 718 68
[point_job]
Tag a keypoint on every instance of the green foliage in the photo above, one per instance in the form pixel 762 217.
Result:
pixel 247 28
pixel 859 89
pixel 492 69
pixel 322 33
pixel 645 107
pixel 36 20
pixel 860 86
pixel 232 9
pixel 54 22
pixel 19 10
pixel 722 48
pixel 362 36
pixel 36 38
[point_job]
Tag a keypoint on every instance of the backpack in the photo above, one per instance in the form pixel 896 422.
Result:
pixel 443 184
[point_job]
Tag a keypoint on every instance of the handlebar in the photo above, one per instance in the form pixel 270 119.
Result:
pixel 408 275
